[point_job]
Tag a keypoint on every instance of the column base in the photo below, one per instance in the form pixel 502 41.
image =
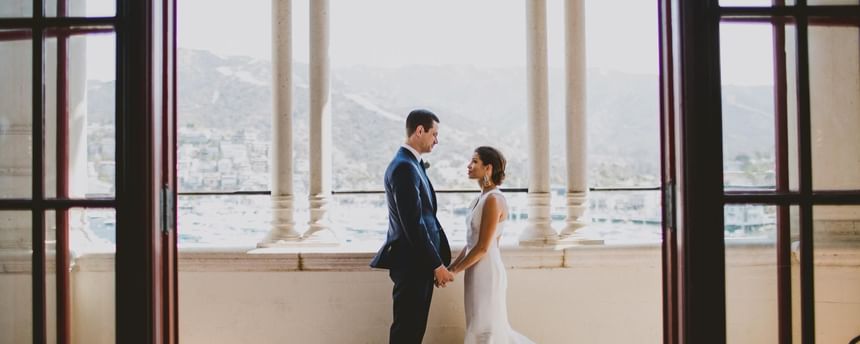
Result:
pixel 320 231
pixel 578 239
pixel 570 228
pixel 538 232
pixel 538 242
pixel 320 234
pixel 273 240
pixel 538 235
pixel 283 228
pixel 298 244
pixel 569 235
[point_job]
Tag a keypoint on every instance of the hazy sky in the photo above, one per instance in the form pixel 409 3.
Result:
pixel 478 32
pixel 401 32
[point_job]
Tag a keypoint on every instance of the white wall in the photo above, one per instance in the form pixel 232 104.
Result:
pixel 602 294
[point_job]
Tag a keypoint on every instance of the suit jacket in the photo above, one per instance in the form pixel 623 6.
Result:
pixel 415 237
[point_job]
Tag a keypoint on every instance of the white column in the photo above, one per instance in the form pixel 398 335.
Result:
pixel 575 120
pixel 538 230
pixel 283 225
pixel 320 124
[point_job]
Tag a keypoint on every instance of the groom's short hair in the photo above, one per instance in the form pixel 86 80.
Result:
pixel 420 117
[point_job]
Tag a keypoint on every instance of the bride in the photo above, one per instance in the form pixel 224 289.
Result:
pixel 486 281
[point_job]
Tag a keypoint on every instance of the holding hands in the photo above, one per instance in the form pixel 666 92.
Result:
pixel 442 276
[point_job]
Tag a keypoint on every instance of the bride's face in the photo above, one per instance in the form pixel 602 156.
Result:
pixel 476 167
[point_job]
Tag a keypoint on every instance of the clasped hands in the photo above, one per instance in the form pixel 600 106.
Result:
pixel 442 276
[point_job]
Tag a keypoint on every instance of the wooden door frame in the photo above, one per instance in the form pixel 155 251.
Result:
pixel 146 246
pixel 691 136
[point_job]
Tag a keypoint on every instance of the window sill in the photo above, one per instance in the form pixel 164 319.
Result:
pixel 356 258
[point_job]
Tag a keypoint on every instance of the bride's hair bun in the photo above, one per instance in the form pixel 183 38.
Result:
pixel 492 156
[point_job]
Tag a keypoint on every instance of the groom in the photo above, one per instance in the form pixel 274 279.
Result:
pixel 416 251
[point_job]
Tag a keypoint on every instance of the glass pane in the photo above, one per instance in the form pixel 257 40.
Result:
pixel 16 281
pixel 80 8
pixel 16 8
pixel 792 152
pixel 832 2
pixel 92 236
pixel 794 220
pixel 836 275
pixel 89 83
pixel 746 64
pixel 751 274
pixel 750 222
pixel 51 276
pixel 90 302
pixel 751 3
pixel 834 74
pixel 16 114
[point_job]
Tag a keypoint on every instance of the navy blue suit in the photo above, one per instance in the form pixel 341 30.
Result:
pixel 414 247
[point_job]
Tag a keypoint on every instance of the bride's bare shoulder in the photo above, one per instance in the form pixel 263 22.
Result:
pixel 497 197
pixel 497 201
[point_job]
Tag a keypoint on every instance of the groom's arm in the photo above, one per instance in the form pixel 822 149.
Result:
pixel 407 199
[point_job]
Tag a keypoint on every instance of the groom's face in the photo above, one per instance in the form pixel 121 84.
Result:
pixel 428 138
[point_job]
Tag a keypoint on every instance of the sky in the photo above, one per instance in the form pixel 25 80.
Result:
pixel 483 33
pixel 402 32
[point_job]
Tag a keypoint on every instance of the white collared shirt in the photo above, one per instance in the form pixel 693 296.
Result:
pixel 414 152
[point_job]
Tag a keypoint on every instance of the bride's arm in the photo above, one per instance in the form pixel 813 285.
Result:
pixel 489 219
pixel 459 258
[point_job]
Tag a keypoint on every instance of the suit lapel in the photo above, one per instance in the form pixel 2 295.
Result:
pixel 432 191
pixel 426 179
pixel 429 186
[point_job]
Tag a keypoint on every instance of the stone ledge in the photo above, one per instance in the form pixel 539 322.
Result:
pixel 336 259
pixel 236 259
pixel 357 258
pixel 95 262
pixel 643 255
pixel 837 254
pixel 21 261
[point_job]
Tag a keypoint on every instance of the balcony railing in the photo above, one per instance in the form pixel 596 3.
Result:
pixel 243 217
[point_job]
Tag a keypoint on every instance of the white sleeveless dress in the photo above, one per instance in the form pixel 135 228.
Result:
pixel 486 285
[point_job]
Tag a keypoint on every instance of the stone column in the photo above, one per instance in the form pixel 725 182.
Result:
pixel 283 226
pixel 538 230
pixel 575 120
pixel 320 124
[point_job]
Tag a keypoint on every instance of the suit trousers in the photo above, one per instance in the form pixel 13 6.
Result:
pixel 412 293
